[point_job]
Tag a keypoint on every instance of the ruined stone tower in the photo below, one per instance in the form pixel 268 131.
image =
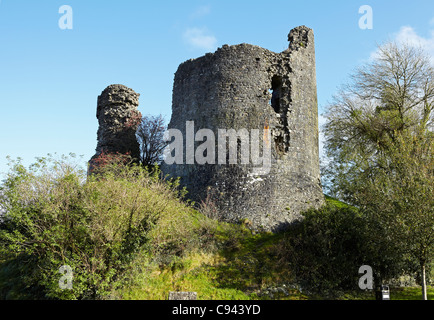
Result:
pixel 247 87
pixel 118 119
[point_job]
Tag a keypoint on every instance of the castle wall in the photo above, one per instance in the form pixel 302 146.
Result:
pixel 118 119
pixel 248 87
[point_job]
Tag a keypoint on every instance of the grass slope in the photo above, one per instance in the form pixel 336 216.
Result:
pixel 240 265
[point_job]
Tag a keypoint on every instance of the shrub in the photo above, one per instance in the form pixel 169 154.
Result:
pixel 327 248
pixel 96 225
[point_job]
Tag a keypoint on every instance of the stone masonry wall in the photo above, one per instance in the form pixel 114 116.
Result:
pixel 118 120
pixel 246 86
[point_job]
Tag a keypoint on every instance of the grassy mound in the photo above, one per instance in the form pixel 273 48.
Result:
pixel 125 233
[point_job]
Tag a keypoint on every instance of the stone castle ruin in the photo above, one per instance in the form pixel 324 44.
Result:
pixel 248 87
pixel 240 88
pixel 118 117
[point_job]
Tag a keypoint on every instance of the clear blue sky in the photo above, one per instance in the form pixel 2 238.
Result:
pixel 50 78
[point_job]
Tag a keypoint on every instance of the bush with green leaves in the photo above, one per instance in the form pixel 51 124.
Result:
pixel 57 216
pixel 327 248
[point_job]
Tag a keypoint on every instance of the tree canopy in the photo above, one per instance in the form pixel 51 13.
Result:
pixel 379 137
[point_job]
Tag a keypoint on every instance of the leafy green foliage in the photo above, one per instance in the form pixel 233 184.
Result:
pixel 385 97
pixel 380 142
pixel 57 216
pixel 326 249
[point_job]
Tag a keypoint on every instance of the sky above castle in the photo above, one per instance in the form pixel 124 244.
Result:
pixel 56 60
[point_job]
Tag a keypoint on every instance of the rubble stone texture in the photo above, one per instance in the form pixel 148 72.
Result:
pixel 246 86
pixel 181 295
pixel 118 120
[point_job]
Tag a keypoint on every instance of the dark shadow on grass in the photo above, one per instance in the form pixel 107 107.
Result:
pixel 250 261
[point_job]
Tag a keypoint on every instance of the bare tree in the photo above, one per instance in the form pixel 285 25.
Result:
pixel 150 137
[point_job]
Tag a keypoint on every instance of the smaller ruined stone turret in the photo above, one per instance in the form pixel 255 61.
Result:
pixel 118 120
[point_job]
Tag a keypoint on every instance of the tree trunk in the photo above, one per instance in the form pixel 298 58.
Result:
pixel 424 294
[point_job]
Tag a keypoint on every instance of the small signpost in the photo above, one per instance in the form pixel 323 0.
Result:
pixel 174 295
pixel 383 292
